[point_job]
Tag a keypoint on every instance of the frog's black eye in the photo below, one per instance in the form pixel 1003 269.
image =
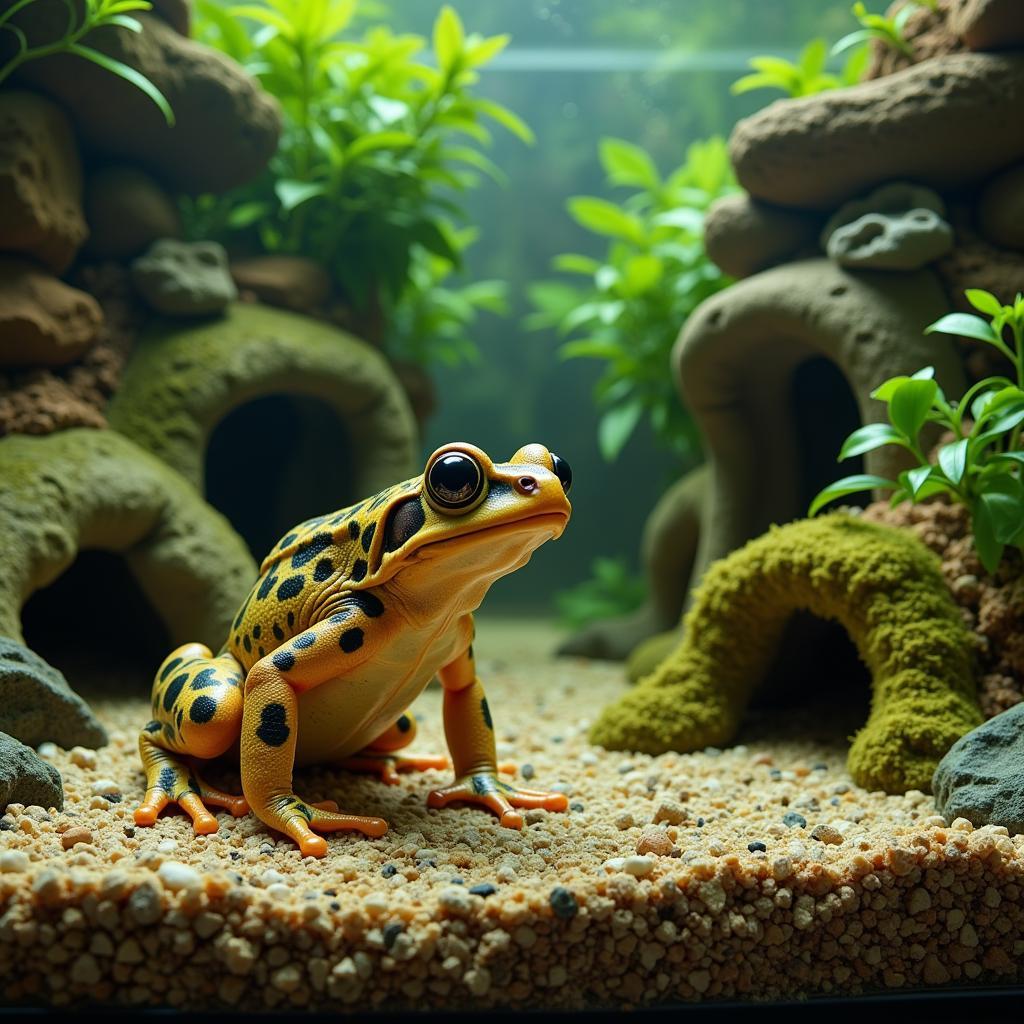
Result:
pixel 562 471
pixel 454 482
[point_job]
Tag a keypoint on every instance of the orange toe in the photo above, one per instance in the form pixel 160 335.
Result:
pixel 146 815
pixel 512 819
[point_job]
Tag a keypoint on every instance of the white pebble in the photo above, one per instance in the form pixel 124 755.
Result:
pixel 278 890
pixel 272 877
pixel 562 787
pixel 176 876
pixel 83 757
pixel 639 866
pixel 167 845
pixel 13 860
pixel 588 757
pixel 106 787
pixel 47 751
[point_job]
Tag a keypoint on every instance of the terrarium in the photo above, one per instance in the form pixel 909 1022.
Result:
pixel 511 505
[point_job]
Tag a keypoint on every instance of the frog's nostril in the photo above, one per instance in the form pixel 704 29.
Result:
pixel 526 484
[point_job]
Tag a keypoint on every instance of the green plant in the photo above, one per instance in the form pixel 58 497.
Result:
pixel 654 273
pixel 611 590
pixel 83 17
pixel 982 467
pixel 804 78
pixel 375 145
pixel 888 30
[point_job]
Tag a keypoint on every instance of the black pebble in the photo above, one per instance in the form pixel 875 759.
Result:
pixel 389 870
pixel 563 903
pixel 576 806
pixel 792 819
pixel 757 847
pixel 483 889
pixel 391 932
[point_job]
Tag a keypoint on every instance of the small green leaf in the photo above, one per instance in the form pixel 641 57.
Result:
pixel 574 263
pixel 966 325
pixel 989 549
pixel 849 485
pixel 640 274
pixel 868 438
pixel 136 78
pixel 953 459
pixel 862 35
pixel 294 193
pixel 914 479
pixel 604 218
pixel 448 38
pixel 616 428
pixel 627 164
pixel 910 404
pixel 984 302
pixel 379 140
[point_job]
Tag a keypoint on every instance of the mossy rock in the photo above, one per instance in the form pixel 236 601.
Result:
pixel 184 378
pixel 881 584
pixel 81 489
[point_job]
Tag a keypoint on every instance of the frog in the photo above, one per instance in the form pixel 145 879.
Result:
pixel 353 614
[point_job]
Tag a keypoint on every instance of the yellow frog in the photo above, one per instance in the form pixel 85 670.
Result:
pixel 353 614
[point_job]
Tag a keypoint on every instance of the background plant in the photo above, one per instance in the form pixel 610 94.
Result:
pixel 83 17
pixel 890 31
pixel 612 590
pixel 807 76
pixel 654 273
pixel 376 147
pixel 982 467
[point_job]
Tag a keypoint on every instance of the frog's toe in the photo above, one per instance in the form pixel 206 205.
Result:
pixel 312 845
pixel 511 819
pixel 203 822
pixel 149 810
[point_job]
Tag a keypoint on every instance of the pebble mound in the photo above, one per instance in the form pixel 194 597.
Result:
pixel 756 872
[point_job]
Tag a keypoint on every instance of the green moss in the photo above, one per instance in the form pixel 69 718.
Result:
pixel 881 584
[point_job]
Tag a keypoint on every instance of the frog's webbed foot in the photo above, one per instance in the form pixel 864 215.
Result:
pixel 388 766
pixel 170 779
pixel 503 799
pixel 299 819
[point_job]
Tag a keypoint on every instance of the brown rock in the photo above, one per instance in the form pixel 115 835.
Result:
pixel 654 840
pixel 744 236
pixel 127 211
pixel 927 33
pixel 226 127
pixel 976 264
pixel 43 322
pixel 40 181
pixel 989 24
pixel 292 282
pixel 75 835
pixel 945 123
pixel 1001 209
pixel 177 14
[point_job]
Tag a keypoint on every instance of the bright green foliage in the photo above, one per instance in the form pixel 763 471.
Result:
pixel 611 590
pixel 83 17
pixel 654 273
pixel 375 145
pixel 804 78
pixel 877 26
pixel 983 466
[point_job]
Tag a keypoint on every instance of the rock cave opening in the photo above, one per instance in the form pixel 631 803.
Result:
pixel 275 461
pixel 96 625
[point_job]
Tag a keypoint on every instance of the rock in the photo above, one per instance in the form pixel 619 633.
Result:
pixel 742 348
pixel 668 549
pixel 982 777
pixel 43 321
pixel 1001 209
pixel 183 378
pixel 976 264
pixel 988 24
pixel 291 282
pixel 36 703
pixel 945 123
pixel 184 278
pixel 898 226
pixel 177 14
pixel 96 489
pixel 40 181
pixel 743 236
pixel 226 127
pixel 127 211
pixel 927 34
pixel 25 779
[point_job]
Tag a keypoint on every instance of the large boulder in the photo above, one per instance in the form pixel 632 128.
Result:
pixel 291 282
pixel 36 703
pixel 1001 209
pixel 43 321
pixel 26 779
pixel 988 24
pixel 226 127
pixel 40 181
pixel 982 776
pixel 947 123
pixel 127 211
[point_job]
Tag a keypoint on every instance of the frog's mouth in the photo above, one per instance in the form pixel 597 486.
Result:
pixel 535 525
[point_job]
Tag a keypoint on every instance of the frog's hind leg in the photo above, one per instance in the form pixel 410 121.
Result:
pixel 197 712
pixel 380 757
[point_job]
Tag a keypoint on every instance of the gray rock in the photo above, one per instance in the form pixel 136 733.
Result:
pixel 184 278
pixel 25 779
pixel 899 226
pixel 981 778
pixel 36 703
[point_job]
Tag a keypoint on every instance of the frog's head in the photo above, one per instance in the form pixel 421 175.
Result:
pixel 468 520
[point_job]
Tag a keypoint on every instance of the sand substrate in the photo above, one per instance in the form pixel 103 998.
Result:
pixel 757 872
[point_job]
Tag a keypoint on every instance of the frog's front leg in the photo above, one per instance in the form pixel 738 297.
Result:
pixel 470 734
pixel 270 724
pixel 381 757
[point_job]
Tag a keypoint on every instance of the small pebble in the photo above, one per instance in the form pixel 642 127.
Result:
pixel 388 870
pixel 75 835
pixel 654 840
pixel 83 757
pixel 527 771
pixel 563 903
pixel 757 847
pixel 483 889
pixel 639 867
pixel 391 933
pixel 827 834
pixel 106 787
pixel 794 820
pixel 624 821
pixel 13 860
pixel 47 751
pixel 177 876
pixel 670 812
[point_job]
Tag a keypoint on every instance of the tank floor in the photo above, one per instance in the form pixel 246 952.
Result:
pixel 852 892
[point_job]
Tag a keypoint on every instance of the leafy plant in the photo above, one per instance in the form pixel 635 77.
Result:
pixel 804 78
pixel 879 26
pixel 83 17
pixel 375 146
pixel 654 273
pixel 611 590
pixel 983 466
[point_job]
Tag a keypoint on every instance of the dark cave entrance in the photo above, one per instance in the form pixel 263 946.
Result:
pixel 95 624
pixel 276 461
